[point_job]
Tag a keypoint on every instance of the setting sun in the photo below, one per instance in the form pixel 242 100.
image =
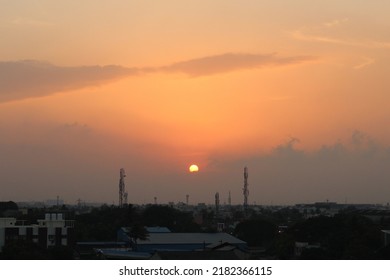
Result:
pixel 194 168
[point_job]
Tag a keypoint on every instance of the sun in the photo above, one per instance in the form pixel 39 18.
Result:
pixel 193 168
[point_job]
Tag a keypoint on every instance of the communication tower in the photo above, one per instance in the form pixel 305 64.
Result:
pixel 125 195
pixel 217 203
pixel 230 199
pixel 122 193
pixel 245 189
pixel 187 199
pixel 78 203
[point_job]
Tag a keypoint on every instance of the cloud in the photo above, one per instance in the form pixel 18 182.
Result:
pixel 30 22
pixel 335 22
pixel 29 78
pixel 339 33
pixel 363 43
pixel 301 35
pixel 231 62
pixel 367 61
pixel 355 168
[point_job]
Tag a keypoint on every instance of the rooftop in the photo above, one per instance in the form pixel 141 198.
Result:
pixel 190 238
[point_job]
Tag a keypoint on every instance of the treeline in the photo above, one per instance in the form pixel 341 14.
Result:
pixel 341 237
pixel 344 236
pixel 102 223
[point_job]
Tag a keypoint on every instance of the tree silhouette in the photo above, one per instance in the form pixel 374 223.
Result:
pixel 165 216
pixel 256 232
pixel 137 232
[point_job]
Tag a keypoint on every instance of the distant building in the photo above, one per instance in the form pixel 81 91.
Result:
pixel 51 231
pixel 178 246
pixel 161 243
pixel 233 254
pixel 301 246
pixel 157 229
pixel 185 241
pixel 386 237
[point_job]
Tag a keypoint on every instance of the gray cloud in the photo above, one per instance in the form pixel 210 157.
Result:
pixel 29 78
pixel 355 169
pixel 231 62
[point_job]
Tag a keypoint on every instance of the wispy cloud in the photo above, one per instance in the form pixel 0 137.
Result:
pixel 301 35
pixel 231 62
pixel 30 22
pixel 371 44
pixel 335 22
pixel 28 78
pixel 326 33
pixel 367 61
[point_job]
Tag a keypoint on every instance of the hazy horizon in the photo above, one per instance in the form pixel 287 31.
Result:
pixel 297 91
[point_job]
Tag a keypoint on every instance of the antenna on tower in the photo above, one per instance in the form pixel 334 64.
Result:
pixel 217 203
pixel 245 190
pixel 125 195
pixel 122 193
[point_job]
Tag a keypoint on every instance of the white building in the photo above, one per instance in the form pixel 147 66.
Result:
pixel 54 230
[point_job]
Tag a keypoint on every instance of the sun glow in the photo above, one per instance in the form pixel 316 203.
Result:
pixel 193 168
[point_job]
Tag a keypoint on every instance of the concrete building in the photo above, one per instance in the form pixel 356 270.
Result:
pixel 53 230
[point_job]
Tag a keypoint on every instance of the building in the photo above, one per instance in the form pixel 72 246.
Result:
pixel 301 246
pixel 386 237
pixel 53 230
pixel 168 241
pixel 163 244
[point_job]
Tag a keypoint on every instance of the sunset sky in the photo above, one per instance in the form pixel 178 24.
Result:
pixel 297 90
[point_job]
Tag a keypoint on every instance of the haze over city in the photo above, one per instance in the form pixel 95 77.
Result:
pixel 297 91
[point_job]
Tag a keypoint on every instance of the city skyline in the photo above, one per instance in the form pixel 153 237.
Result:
pixel 296 91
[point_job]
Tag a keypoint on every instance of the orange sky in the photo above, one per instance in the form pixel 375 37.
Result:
pixel 152 87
